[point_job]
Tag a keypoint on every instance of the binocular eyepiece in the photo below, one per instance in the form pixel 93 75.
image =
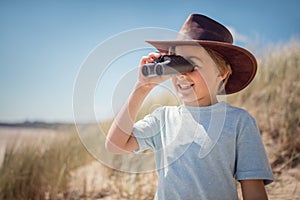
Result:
pixel 166 65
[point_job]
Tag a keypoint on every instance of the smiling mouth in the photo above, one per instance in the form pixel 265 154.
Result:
pixel 185 86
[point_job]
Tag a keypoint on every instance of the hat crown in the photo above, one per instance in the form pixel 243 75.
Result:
pixel 200 27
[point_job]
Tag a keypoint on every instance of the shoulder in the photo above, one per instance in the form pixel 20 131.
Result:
pixel 237 110
pixel 165 111
pixel 239 113
pixel 245 125
pixel 241 117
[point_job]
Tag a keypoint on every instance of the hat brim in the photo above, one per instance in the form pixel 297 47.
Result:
pixel 242 62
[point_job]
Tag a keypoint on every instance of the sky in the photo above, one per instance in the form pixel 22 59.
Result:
pixel 44 45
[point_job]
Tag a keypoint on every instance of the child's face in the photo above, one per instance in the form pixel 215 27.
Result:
pixel 200 87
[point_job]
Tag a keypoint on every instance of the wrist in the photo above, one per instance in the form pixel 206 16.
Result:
pixel 144 87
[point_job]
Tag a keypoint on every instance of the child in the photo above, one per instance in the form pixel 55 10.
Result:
pixel 203 145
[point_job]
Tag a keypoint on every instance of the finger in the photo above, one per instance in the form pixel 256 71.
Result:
pixel 150 58
pixel 146 59
pixel 154 55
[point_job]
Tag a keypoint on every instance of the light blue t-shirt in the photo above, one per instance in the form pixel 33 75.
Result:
pixel 200 151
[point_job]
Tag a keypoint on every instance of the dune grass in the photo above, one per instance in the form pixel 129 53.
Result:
pixel 41 168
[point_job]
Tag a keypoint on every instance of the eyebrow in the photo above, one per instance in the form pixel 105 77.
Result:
pixel 194 57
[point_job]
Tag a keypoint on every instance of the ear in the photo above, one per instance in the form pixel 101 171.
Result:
pixel 224 76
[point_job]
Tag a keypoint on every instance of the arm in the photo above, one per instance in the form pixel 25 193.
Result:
pixel 119 138
pixel 253 190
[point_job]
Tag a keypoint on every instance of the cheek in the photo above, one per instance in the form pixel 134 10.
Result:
pixel 209 77
pixel 199 80
pixel 204 83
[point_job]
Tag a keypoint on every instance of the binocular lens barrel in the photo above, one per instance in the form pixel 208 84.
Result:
pixel 148 70
pixel 166 65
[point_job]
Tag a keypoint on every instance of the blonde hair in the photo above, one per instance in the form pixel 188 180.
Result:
pixel 222 64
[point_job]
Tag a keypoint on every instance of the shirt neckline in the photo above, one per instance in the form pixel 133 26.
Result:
pixel 215 106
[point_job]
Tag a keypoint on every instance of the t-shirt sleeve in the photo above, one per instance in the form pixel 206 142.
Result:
pixel 251 161
pixel 147 131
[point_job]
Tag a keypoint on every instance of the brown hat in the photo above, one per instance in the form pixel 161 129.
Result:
pixel 201 30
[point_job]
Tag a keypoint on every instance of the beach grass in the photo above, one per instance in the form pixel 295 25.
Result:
pixel 40 168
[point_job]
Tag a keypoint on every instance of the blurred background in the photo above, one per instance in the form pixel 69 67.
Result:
pixel 43 48
pixel 44 43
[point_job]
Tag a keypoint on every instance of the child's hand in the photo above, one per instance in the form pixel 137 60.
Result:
pixel 150 82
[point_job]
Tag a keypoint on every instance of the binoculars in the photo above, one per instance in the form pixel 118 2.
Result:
pixel 166 65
